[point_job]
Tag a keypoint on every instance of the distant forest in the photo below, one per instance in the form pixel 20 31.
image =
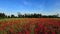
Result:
pixel 3 15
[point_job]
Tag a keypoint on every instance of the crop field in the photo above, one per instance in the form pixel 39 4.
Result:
pixel 30 26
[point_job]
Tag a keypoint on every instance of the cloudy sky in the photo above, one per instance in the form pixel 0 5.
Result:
pixel 45 7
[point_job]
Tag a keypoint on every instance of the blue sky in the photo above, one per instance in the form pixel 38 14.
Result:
pixel 45 7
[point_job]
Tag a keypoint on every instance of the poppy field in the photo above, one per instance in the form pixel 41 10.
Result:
pixel 30 26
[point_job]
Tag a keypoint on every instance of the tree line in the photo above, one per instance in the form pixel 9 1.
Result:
pixel 3 15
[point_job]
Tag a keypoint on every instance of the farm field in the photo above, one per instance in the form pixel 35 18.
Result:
pixel 30 26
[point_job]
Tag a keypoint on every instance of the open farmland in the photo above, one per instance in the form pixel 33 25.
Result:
pixel 30 26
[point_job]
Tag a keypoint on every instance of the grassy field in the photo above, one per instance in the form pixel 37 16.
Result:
pixel 30 26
